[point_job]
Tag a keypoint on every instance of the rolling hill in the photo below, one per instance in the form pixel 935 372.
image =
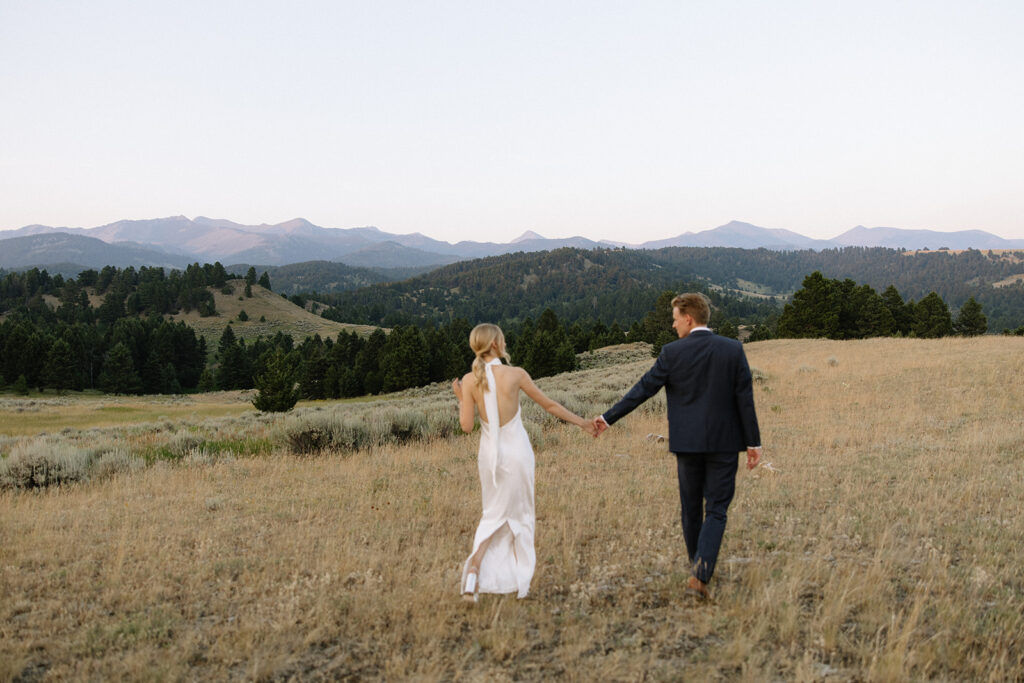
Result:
pixel 268 313
pixel 618 285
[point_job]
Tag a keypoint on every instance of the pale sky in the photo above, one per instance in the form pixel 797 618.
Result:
pixel 626 121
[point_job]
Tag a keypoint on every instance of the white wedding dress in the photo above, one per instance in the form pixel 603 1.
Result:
pixel 505 462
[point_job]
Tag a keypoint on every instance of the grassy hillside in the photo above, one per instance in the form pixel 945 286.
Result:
pixel 280 315
pixel 881 544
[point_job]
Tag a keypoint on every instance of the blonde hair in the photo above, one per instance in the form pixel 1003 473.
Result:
pixel 694 304
pixel 481 339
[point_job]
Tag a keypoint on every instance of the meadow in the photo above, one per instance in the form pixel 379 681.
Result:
pixel 879 541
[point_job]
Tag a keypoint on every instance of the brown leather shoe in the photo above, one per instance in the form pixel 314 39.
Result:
pixel 696 588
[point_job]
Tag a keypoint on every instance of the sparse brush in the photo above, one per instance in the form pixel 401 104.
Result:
pixel 182 443
pixel 111 463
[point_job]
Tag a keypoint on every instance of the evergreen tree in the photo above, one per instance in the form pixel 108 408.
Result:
pixel 276 390
pixel 227 339
pixel 727 328
pixel 118 375
pixel 207 381
pixel 550 351
pixel 367 366
pixel 404 361
pixel 902 314
pixel 932 318
pixel 61 366
pixel 657 324
pixel 760 332
pixel 970 321
pixel 234 371
pixel 265 281
pixel 169 383
pixel 313 370
pixel 814 310
pixel 873 316
pixel 250 276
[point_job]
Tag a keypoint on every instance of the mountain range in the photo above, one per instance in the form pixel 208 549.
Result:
pixel 177 241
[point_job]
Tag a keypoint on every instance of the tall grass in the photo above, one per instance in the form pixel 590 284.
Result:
pixel 882 544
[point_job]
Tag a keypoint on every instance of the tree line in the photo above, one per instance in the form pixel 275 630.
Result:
pixel 106 329
pixel 842 309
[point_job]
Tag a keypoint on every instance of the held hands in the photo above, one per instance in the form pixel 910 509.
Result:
pixel 457 388
pixel 594 427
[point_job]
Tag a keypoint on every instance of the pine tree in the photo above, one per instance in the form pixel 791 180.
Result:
pixel 169 383
pixel 61 367
pixel 404 362
pixel 657 324
pixel 932 318
pixel 207 381
pixel 970 321
pixel 276 390
pixel 118 375
pixel 902 313
pixel 727 328
pixel 550 352
pixel 814 311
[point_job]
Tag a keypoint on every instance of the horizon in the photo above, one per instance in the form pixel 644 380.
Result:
pixel 525 234
pixel 468 122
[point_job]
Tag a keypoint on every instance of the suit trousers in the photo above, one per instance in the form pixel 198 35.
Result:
pixel 707 483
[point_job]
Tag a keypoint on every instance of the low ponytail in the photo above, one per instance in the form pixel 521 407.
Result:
pixel 481 340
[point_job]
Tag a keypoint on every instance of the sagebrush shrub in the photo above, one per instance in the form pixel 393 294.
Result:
pixel 44 462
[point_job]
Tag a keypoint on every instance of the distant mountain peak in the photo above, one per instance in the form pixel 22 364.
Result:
pixel 295 223
pixel 528 235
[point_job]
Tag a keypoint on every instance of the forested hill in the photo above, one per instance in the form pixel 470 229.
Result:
pixel 616 285
pixel 327 276
pixel 609 285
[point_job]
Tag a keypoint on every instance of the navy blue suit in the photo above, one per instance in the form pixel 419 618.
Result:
pixel 711 418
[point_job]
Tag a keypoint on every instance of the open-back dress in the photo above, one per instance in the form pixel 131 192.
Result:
pixel 505 462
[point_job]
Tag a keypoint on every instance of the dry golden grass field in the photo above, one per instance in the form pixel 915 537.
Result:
pixel 884 543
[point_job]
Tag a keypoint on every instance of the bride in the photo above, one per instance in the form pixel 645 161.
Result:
pixel 503 558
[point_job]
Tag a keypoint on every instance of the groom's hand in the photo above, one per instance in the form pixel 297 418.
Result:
pixel 600 425
pixel 753 457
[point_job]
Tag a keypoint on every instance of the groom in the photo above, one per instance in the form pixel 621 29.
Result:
pixel 711 418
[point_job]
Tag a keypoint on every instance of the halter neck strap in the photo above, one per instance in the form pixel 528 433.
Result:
pixel 493 421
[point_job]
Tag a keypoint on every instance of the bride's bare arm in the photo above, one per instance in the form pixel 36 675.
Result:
pixel 464 392
pixel 549 404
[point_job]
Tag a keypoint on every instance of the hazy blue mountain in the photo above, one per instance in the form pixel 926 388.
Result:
pixel 741 235
pixel 65 251
pixel 898 238
pixel 207 240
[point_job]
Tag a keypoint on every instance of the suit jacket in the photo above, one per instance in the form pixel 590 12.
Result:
pixel 708 389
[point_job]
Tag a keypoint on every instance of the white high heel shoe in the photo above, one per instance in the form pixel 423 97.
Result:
pixel 469 591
